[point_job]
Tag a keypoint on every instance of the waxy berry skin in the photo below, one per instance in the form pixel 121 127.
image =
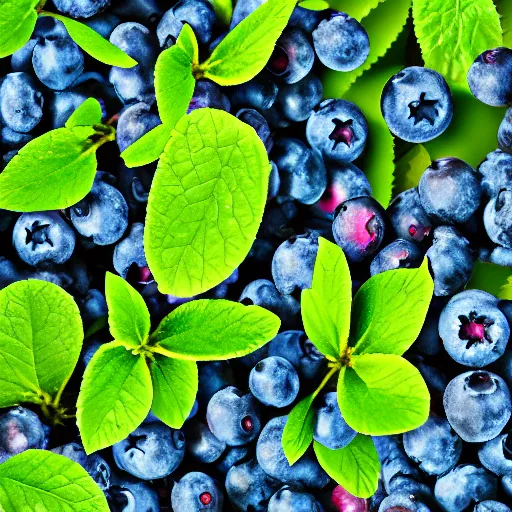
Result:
pixel 496 172
pixel 398 254
pixel 196 492
pixel 496 455
pixel 498 218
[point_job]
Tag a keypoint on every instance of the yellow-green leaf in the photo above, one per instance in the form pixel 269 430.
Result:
pixel 17 21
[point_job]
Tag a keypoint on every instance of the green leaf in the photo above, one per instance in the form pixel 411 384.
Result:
pixel 326 305
pixel 505 11
pixel 410 168
pixel 452 33
pixel 298 431
pixel 506 290
pixel 314 5
pixel 382 394
pixel 356 467
pixel 93 43
pixel 148 148
pixel 174 81
pixel 383 25
pixel 17 21
pixel 205 330
pixel 54 171
pixel 115 397
pixel 175 385
pixel 43 481
pixel 41 337
pixel 358 9
pixel 246 49
pixel 389 310
pixel 223 10
pixel 489 277
pixel 465 138
pixel 206 202
pixel 128 315
pixel 88 113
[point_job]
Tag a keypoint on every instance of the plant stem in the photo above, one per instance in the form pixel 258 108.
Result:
pixel 325 380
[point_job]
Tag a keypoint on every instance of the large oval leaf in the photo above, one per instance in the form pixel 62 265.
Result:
pixel 17 21
pixel 206 202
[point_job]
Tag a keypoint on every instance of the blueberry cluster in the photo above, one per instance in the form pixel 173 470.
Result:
pixel 228 455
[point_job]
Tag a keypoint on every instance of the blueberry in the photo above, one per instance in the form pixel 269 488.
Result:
pixel 242 9
pixel 296 499
pixel 338 130
pixel 208 95
pixel 233 417
pixel 491 506
pixel 474 332
pixel 463 487
pixel 259 123
pixel 8 272
pixel 14 140
pixel 81 8
pixel 20 430
pixel 21 60
pixel 202 445
pixel 62 105
pixel 359 227
pixel 302 170
pixel 398 254
pixel 199 15
pixel 274 182
pixel 151 451
pixel 331 429
pixel 498 218
pixel 506 484
pixel 417 104
pixel 213 376
pixel 294 261
pixel 103 23
pixel 489 77
pixel 21 102
pixel 196 491
pixel 143 11
pixel 293 56
pixel 43 238
pixel 403 502
pixel 451 261
pixel 249 487
pixel 274 382
pixel 496 455
pixel 496 171
pixel 102 215
pixel 93 307
pixel 505 132
pixel 269 452
pixel 232 456
pixel 397 468
pixel 306 19
pixel 501 256
pixel 477 405
pixel 259 93
pixel 130 251
pixel 134 122
pixel 130 495
pixel 296 101
pixel 341 43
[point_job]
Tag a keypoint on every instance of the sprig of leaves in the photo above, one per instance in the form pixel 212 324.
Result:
pixel 379 392
pixel 138 372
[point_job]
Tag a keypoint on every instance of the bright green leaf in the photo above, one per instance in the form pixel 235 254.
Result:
pixel 358 9
pixel 298 431
pixel 326 305
pixel 128 315
pixel 356 467
pixel 115 397
pixel 17 21
pixel 174 81
pixel 383 25
pixel 246 49
pixel 42 481
pixel 505 11
pixel 205 330
pixel 506 290
pixel 148 148
pixel 94 44
pixel 382 394
pixel 206 202
pixel 223 10
pixel 489 278
pixel 452 33
pixel 175 385
pixel 410 167
pixel 41 337
pixel 389 310
pixel 314 5
pixel 52 172
pixel 88 113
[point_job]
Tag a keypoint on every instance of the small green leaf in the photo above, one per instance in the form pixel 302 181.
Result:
pixel 358 9
pixel 175 385
pixel 115 397
pixel 128 315
pixel 223 10
pixel 505 11
pixel 174 81
pixel 326 305
pixel 148 148
pixel 489 277
pixel 88 113
pixel 43 481
pixel 206 202
pixel 314 5
pixel 41 337
pixel 410 168
pixel 54 171
pixel 356 467
pixel 17 21
pixel 389 310
pixel 245 51
pixel 205 330
pixel 298 431
pixel 382 394
pixel 506 290
pixel 93 43
pixel 452 33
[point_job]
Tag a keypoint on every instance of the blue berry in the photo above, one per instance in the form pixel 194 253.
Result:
pixel 498 218
pixel 341 43
pixel 213 376
pixel 403 502
pixel 130 251
pixel 147 12
pixel 297 101
pixel 505 132
pixel 417 104
pixel 496 171
pixel 491 506
pixel 103 23
pixel 296 499
pixel 259 93
pixel 208 95
pixel 81 8
pixel 62 105
pixel 21 60
pixel 232 456
pixel 201 444
pixel 195 492
pixel 398 254
pixel 134 122
pixel 306 19
pixel 489 77
pixel 496 455
pixel 259 123
pixel 242 9
pixel 8 273
pixel 338 130
pixel 130 495
pixel 93 307
pixel 14 140
pixel 501 256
